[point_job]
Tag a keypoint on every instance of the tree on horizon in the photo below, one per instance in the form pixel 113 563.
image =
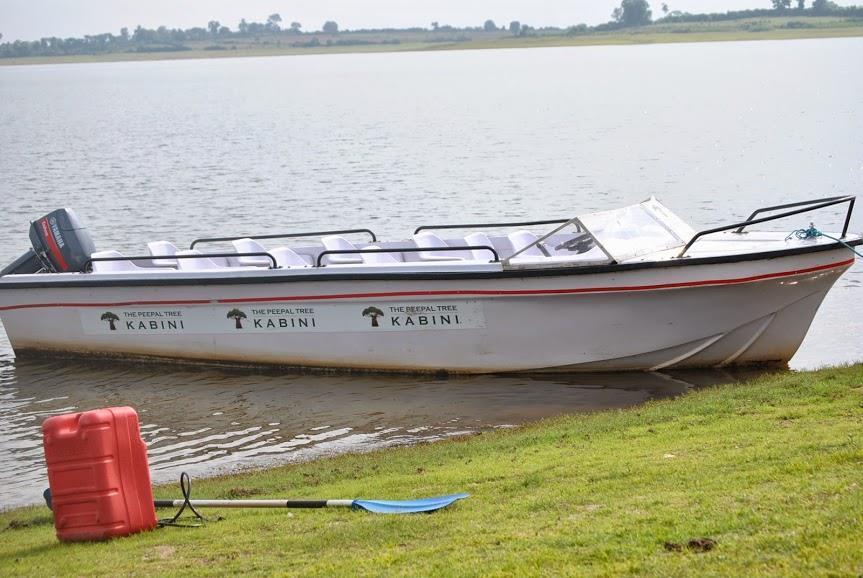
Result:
pixel 824 6
pixel 274 22
pixel 633 13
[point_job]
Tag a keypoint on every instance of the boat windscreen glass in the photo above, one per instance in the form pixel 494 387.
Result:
pixel 637 230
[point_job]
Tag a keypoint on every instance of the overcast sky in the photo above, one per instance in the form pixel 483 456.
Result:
pixel 33 19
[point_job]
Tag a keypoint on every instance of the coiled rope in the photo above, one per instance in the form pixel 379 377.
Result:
pixel 813 233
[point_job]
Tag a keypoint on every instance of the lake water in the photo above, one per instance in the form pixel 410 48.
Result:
pixel 180 149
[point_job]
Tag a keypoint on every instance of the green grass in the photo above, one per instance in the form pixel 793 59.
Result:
pixel 734 30
pixel 770 470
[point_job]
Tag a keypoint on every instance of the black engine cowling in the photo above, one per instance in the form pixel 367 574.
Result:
pixel 60 245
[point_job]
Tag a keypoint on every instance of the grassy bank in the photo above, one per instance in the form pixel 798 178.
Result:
pixel 770 470
pixel 784 28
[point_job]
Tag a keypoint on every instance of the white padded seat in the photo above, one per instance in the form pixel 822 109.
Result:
pixel 122 266
pixel 520 240
pixel 429 240
pixel 337 243
pixel 162 248
pixel 480 238
pixel 378 258
pixel 287 258
pixel 201 264
pixel 247 245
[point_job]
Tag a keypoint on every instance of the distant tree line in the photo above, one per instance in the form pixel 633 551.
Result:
pixel 154 39
pixel 638 13
pixel 630 13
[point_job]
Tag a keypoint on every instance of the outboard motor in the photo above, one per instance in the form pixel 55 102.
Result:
pixel 60 245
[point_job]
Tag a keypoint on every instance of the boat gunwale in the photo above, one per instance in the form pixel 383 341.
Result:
pixel 170 279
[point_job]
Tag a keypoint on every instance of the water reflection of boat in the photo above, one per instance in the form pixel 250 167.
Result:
pixel 633 288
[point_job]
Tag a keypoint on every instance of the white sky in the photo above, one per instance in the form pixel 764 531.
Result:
pixel 33 19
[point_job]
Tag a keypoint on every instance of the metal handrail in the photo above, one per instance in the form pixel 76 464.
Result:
pixel 89 262
pixel 319 262
pixel 810 206
pixel 284 236
pixel 797 204
pixel 491 225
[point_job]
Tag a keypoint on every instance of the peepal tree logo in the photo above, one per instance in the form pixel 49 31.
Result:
pixel 237 315
pixel 374 313
pixel 110 318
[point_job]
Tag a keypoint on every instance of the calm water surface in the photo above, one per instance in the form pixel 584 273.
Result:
pixel 175 150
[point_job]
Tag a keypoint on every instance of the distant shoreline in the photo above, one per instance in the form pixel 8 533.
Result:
pixel 770 29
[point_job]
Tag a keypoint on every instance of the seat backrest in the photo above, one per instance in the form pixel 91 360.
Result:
pixel 482 239
pixel 247 245
pixel 161 248
pixel 429 240
pixel 112 266
pixel 378 258
pixel 521 239
pixel 337 243
pixel 201 264
pixel 287 258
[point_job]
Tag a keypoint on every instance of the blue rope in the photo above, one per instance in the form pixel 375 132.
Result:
pixel 813 233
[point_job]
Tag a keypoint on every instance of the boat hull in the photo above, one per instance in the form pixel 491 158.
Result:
pixel 650 318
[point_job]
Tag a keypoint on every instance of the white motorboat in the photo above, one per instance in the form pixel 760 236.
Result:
pixel 627 289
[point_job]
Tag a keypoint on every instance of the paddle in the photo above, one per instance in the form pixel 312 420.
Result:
pixel 376 506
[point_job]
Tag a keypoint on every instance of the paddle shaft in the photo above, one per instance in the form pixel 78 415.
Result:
pixel 256 503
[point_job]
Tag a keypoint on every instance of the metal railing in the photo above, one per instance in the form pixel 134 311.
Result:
pixel 319 262
pixel 284 236
pixel 490 225
pixel 811 205
pixel 89 262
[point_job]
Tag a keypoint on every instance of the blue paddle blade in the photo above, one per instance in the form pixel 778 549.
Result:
pixel 408 506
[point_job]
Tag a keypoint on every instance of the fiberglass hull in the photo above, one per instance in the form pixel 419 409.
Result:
pixel 694 314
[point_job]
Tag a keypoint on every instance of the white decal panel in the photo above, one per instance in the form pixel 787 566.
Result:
pixel 284 318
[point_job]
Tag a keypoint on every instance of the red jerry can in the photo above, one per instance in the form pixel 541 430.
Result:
pixel 99 475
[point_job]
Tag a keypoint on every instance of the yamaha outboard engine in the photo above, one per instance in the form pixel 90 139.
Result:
pixel 60 245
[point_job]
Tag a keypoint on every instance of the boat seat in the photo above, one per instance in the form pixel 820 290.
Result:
pixel 204 263
pixel 287 258
pixel 338 243
pixel 161 248
pixel 480 239
pixel 124 266
pixel 378 258
pixel 429 240
pixel 522 239
pixel 247 245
